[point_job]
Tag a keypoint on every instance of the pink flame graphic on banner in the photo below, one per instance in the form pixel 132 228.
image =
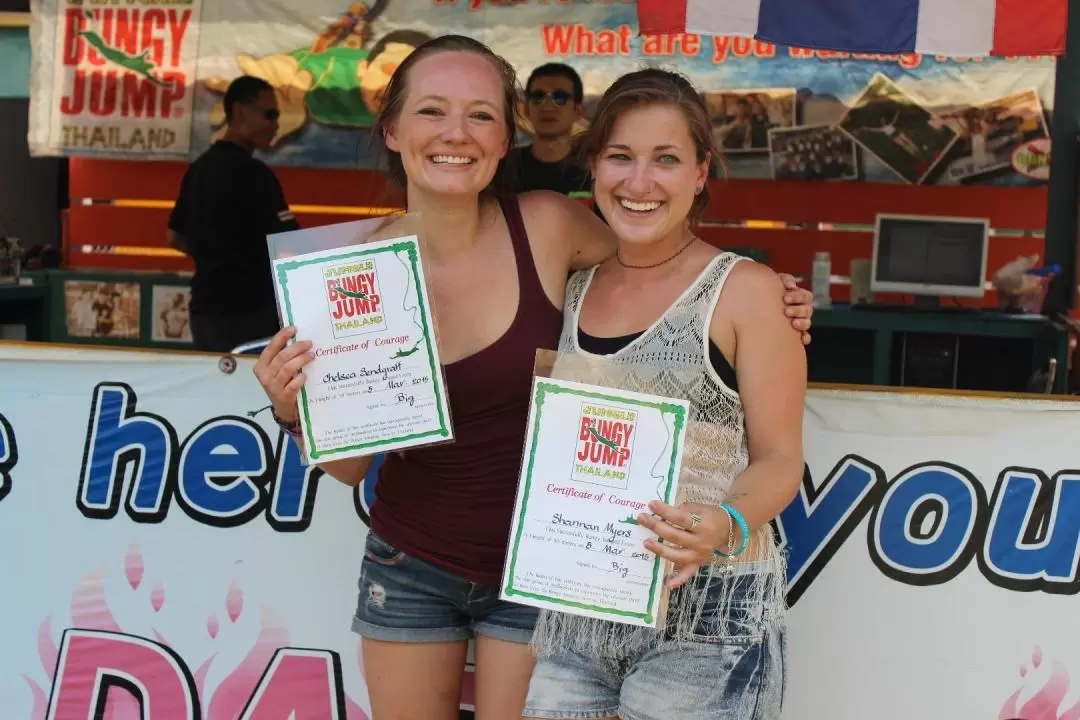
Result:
pixel 90 611
pixel 157 597
pixel 133 566
pixel 234 601
pixel 1045 702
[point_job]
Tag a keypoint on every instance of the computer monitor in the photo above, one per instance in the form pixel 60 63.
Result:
pixel 930 256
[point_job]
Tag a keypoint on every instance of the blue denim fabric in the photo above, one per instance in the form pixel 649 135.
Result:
pixel 741 677
pixel 404 599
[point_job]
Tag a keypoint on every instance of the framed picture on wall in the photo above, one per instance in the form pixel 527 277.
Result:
pixel 95 309
pixel 170 317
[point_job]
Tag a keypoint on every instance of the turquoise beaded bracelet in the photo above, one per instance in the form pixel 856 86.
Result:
pixel 744 531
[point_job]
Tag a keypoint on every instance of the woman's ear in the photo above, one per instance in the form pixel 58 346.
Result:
pixel 703 171
pixel 390 138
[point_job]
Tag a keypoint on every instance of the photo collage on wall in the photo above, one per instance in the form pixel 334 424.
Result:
pixel 99 309
pixel 917 144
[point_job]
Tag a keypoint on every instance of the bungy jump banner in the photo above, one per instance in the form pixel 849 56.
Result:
pixel 163 547
pixel 140 80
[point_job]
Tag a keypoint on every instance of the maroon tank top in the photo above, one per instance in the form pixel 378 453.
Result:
pixel 451 504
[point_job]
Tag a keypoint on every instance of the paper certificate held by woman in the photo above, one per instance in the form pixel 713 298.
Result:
pixel 594 459
pixel 375 383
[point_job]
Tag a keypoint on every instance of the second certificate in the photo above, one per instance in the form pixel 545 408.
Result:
pixel 375 383
pixel 594 459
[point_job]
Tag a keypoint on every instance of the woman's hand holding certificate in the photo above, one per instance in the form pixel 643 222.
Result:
pixel 688 536
pixel 279 371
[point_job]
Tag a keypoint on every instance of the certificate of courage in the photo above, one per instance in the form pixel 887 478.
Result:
pixel 375 383
pixel 594 458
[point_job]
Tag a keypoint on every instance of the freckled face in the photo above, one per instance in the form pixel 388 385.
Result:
pixel 451 133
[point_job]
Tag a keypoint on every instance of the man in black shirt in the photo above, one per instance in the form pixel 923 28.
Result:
pixel 553 103
pixel 229 202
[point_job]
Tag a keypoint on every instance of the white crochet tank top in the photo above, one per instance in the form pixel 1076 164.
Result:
pixel 671 359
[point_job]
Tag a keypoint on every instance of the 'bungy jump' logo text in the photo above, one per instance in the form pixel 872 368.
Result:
pixel 353 299
pixel 605 445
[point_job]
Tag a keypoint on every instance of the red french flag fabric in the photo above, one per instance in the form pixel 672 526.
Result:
pixel 956 28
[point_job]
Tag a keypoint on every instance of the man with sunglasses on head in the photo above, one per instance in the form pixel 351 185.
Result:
pixel 229 202
pixel 553 103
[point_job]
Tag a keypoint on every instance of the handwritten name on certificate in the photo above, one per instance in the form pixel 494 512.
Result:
pixel 375 383
pixel 594 459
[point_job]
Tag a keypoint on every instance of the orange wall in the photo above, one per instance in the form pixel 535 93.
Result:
pixel 328 196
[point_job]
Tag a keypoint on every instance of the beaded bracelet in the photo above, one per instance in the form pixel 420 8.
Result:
pixel 744 529
pixel 730 535
pixel 290 428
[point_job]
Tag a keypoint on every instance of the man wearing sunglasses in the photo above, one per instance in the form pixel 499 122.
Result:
pixel 229 202
pixel 553 103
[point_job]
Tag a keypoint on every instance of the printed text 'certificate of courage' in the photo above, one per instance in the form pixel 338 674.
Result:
pixel 594 458
pixel 375 383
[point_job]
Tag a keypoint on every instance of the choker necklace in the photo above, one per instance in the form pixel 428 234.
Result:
pixel 678 252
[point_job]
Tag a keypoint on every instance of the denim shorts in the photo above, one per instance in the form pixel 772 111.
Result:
pixel 405 599
pixel 741 677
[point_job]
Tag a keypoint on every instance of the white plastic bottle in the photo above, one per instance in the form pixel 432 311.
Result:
pixel 820 280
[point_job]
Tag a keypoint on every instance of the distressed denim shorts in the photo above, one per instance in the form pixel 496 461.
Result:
pixel 405 599
pixel 741 677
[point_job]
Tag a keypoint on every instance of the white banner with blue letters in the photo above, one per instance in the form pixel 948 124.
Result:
pixel 162 544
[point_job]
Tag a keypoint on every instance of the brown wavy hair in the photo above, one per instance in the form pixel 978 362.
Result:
pixel 398 88
pixel 654 86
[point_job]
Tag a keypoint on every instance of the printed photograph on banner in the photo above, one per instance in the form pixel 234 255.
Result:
pixel 742 119
pixel 812 152
pixel 124 78
pixel 991 134
pixel 888 123
pixel 171 319
pixel 102 309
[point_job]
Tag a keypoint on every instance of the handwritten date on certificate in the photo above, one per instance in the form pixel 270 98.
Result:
pixel 595 458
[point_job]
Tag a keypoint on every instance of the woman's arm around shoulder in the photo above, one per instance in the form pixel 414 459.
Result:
pixel 582 238
pixel 770 363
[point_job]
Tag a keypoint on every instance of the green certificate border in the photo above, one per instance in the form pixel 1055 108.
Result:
pixel 541 390
pixel 410 247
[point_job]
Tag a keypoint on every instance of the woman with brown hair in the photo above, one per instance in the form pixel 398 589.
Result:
pixel 497 265
pixel 709 330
